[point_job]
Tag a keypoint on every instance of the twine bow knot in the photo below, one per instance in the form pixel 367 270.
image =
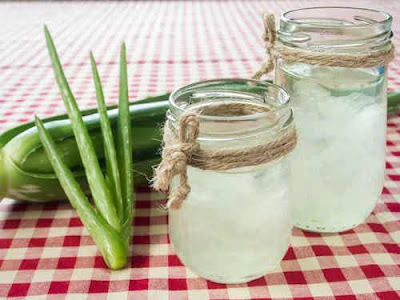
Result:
pixel 175 159
pixel 183 149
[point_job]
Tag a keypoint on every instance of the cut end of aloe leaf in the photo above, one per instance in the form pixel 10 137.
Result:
pixel 116 264
pixel 114 251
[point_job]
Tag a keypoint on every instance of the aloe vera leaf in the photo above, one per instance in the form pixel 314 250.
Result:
pixel 108 140
pixel 124 140
pixel 97 183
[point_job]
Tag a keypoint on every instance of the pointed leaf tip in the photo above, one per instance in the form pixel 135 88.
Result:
pixel 123 50
pixel 46 30
pixel 92 60
pixel 38 122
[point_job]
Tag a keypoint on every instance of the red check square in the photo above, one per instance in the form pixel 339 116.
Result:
pixel 59 287
pixel 333 275
pixel 18 290
pixel 99 286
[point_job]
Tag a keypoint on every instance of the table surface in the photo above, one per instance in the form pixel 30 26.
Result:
pixel 44 250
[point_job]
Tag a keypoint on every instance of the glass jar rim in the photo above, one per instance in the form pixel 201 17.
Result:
pixel 284 16
pixel 338 29
pixel 174 107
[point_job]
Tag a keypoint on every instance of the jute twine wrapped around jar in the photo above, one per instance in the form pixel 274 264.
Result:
pixel 182 149
pixel 275 49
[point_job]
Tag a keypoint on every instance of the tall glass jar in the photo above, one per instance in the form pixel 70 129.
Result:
pixel 338 167
pixel 234 226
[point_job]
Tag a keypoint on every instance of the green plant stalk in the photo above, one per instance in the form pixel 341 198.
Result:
pixel 109 147
pixel 109 241
pixel 393 103
pixel 27 152
pixel 393 99
pixel 393 110
pixel 98 186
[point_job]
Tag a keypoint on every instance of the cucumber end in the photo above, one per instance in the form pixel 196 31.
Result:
pixel 3 177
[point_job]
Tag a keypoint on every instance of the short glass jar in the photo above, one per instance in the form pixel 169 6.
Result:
pixel 338 166
pixel 234 226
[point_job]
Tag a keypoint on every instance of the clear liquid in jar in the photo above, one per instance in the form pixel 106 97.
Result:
pixel 337 168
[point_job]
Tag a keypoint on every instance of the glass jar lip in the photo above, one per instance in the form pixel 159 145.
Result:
pixel 388 17
pixel 259 83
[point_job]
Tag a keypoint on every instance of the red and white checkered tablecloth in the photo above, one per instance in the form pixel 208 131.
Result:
pixel 44 250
